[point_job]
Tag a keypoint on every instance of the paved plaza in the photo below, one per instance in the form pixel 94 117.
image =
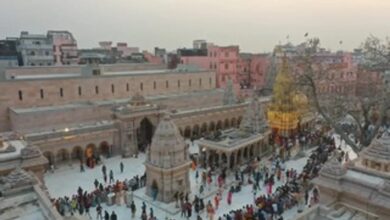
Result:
pixel 66 179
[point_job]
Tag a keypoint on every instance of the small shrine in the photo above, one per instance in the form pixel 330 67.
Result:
pixel 377 155
pixel 234 147
pixel 167 163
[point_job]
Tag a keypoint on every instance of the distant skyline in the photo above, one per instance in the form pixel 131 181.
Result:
pixel 254 25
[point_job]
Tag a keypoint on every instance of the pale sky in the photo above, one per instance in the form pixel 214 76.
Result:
pixel 254 25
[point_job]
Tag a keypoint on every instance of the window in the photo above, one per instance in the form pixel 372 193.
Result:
pixel 42 95
pixel 189 83
pixel 226 66
pixel 154 85
pixel 215 54
pixel 80 91
pixel 127 87
pixel 32 53
pixel 61 92
pixel 166 84
pixel 141 86
pixel 200 82
pixel 112 88
pixel 97 89
pixel 20 95
pixel 178 83
pixel 226 54
pixel 47 53
pixel 210 81
pixel 96 72
pixel 211 65
pixel 215 66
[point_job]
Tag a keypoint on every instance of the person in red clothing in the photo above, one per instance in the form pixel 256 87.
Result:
pixel 216 201
pixel 229 197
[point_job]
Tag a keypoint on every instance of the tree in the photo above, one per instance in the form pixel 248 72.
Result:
pixel 365 107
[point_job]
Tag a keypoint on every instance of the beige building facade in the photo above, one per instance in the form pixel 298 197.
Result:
pixel 82 112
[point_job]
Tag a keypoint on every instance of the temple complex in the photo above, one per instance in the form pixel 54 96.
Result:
pixel 79 113
pixel 233 147
pixel 361 188
pixel 167 163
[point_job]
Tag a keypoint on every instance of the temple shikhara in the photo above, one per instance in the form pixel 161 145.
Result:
pixel 288 112
pixel 167 163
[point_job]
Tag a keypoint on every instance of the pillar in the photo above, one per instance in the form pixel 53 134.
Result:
pixel 228 154
pixel 54 160
pixel 242 156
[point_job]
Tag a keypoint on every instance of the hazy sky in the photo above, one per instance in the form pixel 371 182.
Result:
pixel 255 25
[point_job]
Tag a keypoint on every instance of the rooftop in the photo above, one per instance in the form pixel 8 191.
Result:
pixel 230 139
pixel 105 73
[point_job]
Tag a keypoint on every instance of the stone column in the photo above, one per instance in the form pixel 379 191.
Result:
pixel 228 160
pixel 242 156
pixel 206 155
pixel 220 158
pixel 54 161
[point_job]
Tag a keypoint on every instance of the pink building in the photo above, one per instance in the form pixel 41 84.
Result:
pixel 150 58
pixel 65 50
pixel 258 70
pixel 222 60
pixel 125 50
pixel 247 71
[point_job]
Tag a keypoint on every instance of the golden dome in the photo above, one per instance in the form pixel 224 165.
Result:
pixel 300 100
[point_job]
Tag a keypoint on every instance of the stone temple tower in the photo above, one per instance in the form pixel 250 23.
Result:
pixel 167 163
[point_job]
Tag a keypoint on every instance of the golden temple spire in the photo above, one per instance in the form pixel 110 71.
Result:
pixel 282 114
pixel 284 89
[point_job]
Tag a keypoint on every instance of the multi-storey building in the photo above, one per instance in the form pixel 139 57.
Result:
pixel 64 47
pixel 8 54
pixel 246 71
pixel 125 50
pixel 35 49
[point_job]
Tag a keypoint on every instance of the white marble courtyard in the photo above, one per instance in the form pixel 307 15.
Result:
pixel 67 178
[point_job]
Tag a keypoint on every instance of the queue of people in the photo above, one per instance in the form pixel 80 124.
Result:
pixel 82 201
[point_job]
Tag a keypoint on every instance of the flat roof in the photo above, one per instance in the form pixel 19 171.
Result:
pixel 49 76
pixel 51 108
pixel 231 139
pixel 123 73
pixel 371 179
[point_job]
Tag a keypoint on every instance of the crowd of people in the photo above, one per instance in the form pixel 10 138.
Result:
pixel 285 188
pixel 295 190
pixel 82 201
